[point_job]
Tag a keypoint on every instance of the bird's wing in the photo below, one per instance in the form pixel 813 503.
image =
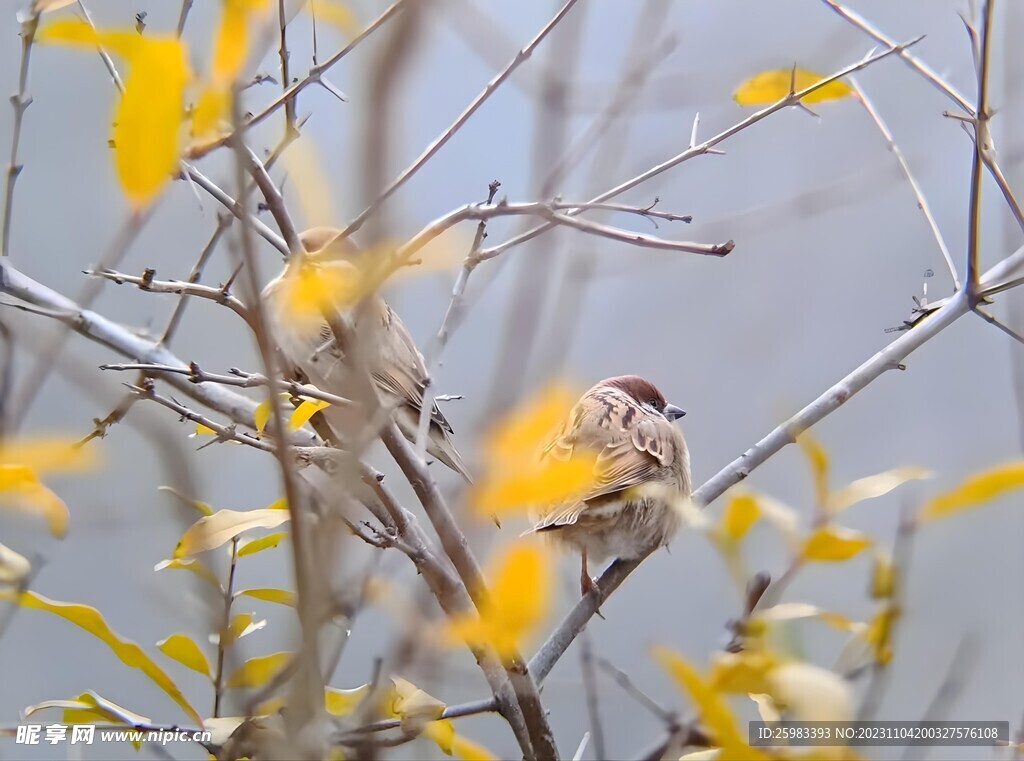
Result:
pixel 401 370
pixel 632 447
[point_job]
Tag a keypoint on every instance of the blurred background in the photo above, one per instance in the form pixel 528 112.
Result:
pixel 830 250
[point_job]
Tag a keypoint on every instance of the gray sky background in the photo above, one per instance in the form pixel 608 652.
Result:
pixel 830 247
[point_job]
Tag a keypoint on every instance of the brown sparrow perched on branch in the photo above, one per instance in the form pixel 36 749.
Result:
pixel 394 363
pixel 642 466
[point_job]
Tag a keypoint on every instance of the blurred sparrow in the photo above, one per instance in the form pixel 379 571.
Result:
pixel 393 361
pixel 642 466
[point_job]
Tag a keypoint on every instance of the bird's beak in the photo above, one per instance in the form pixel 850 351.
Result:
pixel 672 412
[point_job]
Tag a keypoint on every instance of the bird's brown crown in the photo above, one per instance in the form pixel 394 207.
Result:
pixel 641 389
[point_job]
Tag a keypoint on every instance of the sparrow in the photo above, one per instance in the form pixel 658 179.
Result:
pixel 396 366
pixel 642 466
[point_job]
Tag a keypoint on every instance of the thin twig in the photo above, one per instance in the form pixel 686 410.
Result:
pixel 186 6
pixel 982 141
pixel 790 99
pixel 591 690
pixel 236 378
pixel 315 75
pixel 20 101
pixel 922 203
pixel 907 57
pixel 447 134
pixel 229 591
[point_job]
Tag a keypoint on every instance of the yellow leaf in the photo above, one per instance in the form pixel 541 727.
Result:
pixel 202 507
pixel 817 458
pixel 278 504
pixel 267 594
pixel 519 601
pixel 879 632
pixel 239 626
pixel 768 87
pixel 742 672
pixel 976 490
pixel 789 611
pixel 13 567
pixel 310 183
pixel 49 454
pixel 834 544
pixel 230 43
pixel 309 288
pixel 518 486
pixel 20 486
pixel 337 14
pixel 712 708
pixel 740 514
pixel 212 107
pixel 91 621
pixel 810 692
pixel 204 430
pixel 211 531
pixel 519 434
pixel 517 476
pixel 262 543
pixel 148 116
pixel 193 565
pixel 91 708
pixel 261 416
pixel 256 672
pixel 443 733
pixel 186 652
pixel 415 707
pixel 305 411
pixel 340 702
pixel 148 119
pixel 883 576
pixel 873 486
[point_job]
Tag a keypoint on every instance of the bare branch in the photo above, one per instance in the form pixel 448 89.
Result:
pixel 789 99
pixel 20 101
pixel 315 75
pixel 907 57
pixel 922 203
pixel 982 141
pixel 447 135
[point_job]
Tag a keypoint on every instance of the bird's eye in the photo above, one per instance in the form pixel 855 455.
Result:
pixel 654 403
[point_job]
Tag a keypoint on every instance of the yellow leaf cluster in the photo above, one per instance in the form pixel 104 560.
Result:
pixel 22 461
pixel 518 603
pixel 90 708
pixel 517 476
pixel 211 531
pixel 230 48
pixel 148 117
pixel 767 87
pixel 92 621
pixel 420 713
